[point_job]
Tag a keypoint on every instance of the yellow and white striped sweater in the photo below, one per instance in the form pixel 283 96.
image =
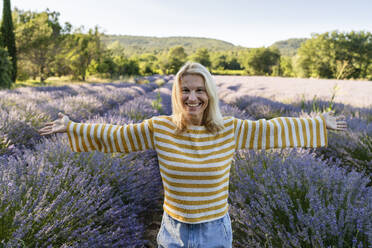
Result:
pixel 195 165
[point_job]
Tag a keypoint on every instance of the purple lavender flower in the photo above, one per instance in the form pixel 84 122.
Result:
pixel 291 198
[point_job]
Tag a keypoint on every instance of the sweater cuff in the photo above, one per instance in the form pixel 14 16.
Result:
pixel 324 125
pixel 71 137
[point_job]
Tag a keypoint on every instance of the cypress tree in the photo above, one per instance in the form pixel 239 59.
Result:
pixel 5 69
pixel 8 38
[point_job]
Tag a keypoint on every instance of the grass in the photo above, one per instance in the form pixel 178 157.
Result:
pixel 65 80
pixel 229 72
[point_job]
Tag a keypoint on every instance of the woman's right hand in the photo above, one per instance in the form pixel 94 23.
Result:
pixel 57 126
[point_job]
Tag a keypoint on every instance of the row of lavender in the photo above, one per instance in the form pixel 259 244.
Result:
pixel 305 197
pixel 286 198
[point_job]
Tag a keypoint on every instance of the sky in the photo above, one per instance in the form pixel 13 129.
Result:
pixel 249 23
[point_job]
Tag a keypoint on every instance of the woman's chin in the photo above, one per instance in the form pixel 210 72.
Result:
pixel 194 118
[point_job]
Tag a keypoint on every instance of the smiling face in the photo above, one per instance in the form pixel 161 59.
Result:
pixel 194 98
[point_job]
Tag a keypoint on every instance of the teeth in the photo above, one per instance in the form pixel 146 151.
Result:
pixel 193 105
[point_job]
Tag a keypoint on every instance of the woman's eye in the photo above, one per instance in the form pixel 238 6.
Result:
pixel 185 90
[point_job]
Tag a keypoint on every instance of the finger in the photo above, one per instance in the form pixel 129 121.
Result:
pixel 43 133
pixel 338 129
pixel 44 129
pixel 341 124
pixel 341 121
pixel 52 123
pixel 49 124
pixel 47 131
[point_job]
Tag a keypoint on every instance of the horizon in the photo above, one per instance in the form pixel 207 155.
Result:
pixel 241 23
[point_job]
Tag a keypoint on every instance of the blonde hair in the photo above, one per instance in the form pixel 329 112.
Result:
pixel 212 118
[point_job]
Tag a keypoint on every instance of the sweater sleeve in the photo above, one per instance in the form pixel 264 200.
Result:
pixel 280 132
pixel 111 138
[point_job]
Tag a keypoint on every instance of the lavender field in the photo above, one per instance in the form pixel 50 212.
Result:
pixel 52 197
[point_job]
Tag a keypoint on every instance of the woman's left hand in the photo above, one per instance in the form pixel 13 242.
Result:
pixel 335 122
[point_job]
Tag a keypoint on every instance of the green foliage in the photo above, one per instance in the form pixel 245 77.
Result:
pixel 229 72
pixel 156 104
pixel 105 66
pixel 147 64
pixel 286 67
pixel 336 55
pixel 202 56
pixel 131 67
pixel 335 89
pixel 315 106
pixel 219 62
pixel 176 58
pixel 260 61
pixel 234 64
pixel 38 37
pixel 5 69
pixel 229 60
pixel 8 37
pixel 83 49
pixel 125 66
pixel 289 47
pixel 143 44
pixel 45 48
pixel 116 48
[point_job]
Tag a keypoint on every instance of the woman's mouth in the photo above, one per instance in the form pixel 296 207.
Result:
pixel 194 104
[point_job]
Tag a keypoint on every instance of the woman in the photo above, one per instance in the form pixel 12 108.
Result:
pixel 195 147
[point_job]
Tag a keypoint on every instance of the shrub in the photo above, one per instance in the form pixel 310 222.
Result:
pixel 53 197
pixel 5 69
pixel 291 199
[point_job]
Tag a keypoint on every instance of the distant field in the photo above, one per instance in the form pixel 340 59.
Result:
pixel 288 90
pixel 355 93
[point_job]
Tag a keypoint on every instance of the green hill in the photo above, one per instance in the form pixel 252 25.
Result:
pixel 144 44
pixel 289 47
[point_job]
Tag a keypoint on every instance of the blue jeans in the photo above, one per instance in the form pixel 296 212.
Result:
pixel 174 234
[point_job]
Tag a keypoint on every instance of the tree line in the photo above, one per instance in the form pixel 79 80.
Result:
pixel 155 45
pixel 36 45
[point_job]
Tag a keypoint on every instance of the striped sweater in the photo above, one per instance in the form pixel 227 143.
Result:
pixel 195 165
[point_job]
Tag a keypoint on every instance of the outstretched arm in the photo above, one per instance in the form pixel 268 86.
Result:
pixel 103 137
pixel 285 132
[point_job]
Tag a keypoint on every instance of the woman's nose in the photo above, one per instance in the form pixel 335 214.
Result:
pixel 192 96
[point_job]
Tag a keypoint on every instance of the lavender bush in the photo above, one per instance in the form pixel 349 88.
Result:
pixel 353 148
pixel 130 109
pixel 17 127
pixel 51 197
pixel 264 108
pixel 25 110
pixel 291 199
